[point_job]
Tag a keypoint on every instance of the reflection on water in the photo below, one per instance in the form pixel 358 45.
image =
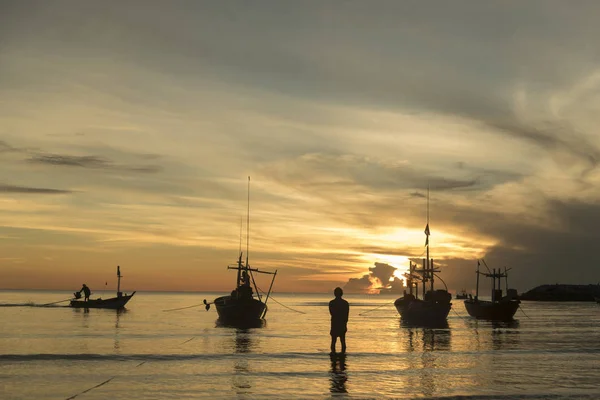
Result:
pixel 259 323
pixel 337 373
pixel 427 338
pixel 426 343
pixel 116 345
pixel 244 343
pixel 495 335
pixel 505 335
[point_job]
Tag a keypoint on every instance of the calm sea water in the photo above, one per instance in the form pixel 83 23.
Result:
pixel 147 353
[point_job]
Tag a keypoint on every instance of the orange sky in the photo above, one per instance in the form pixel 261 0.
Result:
pixel 127 134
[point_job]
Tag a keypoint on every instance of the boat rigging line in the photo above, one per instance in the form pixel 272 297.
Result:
pixel 457 314
pixel 56 302
pixel 521 308
pixel 183 308
pixel 376 308
pixel 92 388
pixel 437 276
pixel 281 304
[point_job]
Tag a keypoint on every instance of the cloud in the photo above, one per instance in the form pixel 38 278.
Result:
pixel 378 279
pixel 7 148
pixel 91 162
pixel 31 190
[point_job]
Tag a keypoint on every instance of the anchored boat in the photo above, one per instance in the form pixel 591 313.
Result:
pixel 501 308
pixel 435 305
pixel 114 303
pixel 244 305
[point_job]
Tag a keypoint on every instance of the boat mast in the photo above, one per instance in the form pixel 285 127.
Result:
pixel 239 273
pixel 429 263
pixel 119 294
pixel 494 284
pixel 248 224
pixel 477 286
pixel 247 267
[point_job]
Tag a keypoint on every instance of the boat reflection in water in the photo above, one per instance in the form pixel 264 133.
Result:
pixel 495 335
pixel 429 347
pixel 337 373
pixel 431 338
pixel 241 326
pixel 117 343
pixel 241 378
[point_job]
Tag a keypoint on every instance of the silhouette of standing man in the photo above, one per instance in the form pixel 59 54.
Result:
pixel 339 310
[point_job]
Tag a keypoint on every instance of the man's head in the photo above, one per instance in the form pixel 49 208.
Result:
pixel 338 292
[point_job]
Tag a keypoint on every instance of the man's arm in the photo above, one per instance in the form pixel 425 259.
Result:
pixel 347 311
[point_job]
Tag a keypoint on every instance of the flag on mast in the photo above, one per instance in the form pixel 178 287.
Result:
pixel 427 235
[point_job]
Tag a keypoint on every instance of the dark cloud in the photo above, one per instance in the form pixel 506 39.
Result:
pixel 7 148
pixel 31 190
pixel 91 162
pixel 358 285
pixel 554 136
pixel 378 279
pixel 556 247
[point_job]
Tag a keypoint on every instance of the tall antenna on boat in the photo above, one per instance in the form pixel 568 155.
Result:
pixel 241 226
pixel 248 224
pixel 429 263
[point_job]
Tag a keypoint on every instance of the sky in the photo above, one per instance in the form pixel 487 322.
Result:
pixel 128 131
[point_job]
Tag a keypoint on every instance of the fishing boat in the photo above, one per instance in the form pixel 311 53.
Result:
pixel 114 303
pixel 462 295
pixel 244 305
pixel 500 308
pixel 434 306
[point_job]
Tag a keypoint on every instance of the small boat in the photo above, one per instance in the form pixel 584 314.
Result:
pixel 462 295
pixel 243 306
pixel 500 308
pixel 114 303
pixel 435 305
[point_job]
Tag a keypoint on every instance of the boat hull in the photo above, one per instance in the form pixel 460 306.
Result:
pixel 231 310
pixel 114 303
pixel 417 311
pixel 493 311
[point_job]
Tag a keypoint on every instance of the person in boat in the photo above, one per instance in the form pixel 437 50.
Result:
pixel 86 292
pixel 245 279
pixel 339 310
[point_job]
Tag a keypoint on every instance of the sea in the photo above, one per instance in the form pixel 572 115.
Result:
pixel 167 346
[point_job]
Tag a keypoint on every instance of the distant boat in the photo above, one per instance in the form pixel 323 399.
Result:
pixel 435 305
pixel 500 308
pixel 243 306
pixel 114 303
pixel 462 295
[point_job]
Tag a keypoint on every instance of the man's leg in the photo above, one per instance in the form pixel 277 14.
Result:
pixel 343 341
pixel 333 341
